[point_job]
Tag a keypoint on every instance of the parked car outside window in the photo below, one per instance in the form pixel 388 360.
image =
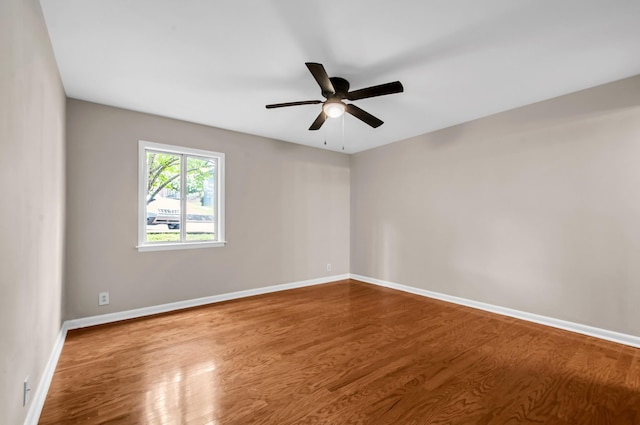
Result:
pixel 164 211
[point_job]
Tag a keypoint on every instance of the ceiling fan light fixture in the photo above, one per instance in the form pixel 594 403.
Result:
pixel 334 109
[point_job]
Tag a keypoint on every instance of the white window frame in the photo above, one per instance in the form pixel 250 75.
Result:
pixel 143 146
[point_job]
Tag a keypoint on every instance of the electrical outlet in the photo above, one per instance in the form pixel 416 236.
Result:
pixel 329 267
pixel 103 298
pixel 26 391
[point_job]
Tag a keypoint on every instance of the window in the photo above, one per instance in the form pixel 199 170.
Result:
pixel 181 197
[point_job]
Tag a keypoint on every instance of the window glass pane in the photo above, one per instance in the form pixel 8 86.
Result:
pixel 163 197
pixel 201 199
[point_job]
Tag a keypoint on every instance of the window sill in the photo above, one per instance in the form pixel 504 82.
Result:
pixel 183 245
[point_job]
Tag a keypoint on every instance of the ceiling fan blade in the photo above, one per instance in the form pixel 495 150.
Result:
pixel 380 90
pixel 304 102
pixel 319 121
pixel 319 73
pixel 364 116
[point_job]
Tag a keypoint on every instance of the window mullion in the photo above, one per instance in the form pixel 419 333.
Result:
pixel 183 198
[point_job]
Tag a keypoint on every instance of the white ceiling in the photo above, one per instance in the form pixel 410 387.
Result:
pixel 220 62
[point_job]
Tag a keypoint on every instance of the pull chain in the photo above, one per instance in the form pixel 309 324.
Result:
pixel 325 135
pixel 342 131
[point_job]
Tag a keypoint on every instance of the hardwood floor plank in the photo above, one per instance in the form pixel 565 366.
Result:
pixel 340 353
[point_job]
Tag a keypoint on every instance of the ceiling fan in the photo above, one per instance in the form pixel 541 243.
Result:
pixel 335 90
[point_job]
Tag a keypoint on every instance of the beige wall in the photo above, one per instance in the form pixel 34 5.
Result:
pixel 287 213
pixel 536 209
pixel 32 119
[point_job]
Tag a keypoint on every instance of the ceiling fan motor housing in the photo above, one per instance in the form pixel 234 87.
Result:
pixel 341 87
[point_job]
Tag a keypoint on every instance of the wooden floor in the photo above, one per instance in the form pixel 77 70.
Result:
pixel 340 353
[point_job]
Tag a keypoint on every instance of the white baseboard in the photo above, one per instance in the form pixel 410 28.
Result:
pixel 626 339
pixel 164 308
pixel 39 396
